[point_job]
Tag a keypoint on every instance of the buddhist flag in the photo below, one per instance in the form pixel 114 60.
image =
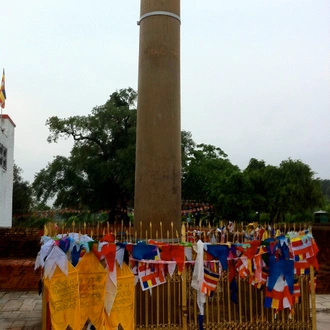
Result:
pixel 210 282
pixel 3 91
pixel 151 275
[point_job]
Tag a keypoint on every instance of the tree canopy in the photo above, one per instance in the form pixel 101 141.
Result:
pixel 100 171
pixel 22 193
pixel 99 174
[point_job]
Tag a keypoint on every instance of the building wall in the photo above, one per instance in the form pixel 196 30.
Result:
pixel 321 232
pixel 7 132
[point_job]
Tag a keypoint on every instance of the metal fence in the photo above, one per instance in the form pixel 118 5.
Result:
pixel 173 305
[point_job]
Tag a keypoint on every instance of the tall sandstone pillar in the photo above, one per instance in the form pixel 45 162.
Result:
pixel 158 145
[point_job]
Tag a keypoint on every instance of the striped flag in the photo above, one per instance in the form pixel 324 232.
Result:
pixel 3 91
pixel 210 282
pixel 242 267
pixel 151 275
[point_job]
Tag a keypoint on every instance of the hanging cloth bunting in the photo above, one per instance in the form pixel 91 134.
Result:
pixel 111 290
pixel 151 275
pixel 120 253
pixel 233 284
pixel 219 252
pixel 280 296
pixel 197 281
pixel 210 282
pixel 92 285
pixel 64 299
pixel 75 255
pixel 143 251
pixel 174 253
pixel 55 258
pixel 45 249
pixel 198 274
pixel 108 251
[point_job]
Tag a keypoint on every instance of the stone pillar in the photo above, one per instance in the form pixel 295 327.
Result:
pixel 158 137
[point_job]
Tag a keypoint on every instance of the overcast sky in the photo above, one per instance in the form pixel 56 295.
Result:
pixel 255 73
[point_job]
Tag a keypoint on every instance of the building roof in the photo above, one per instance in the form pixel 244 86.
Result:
pixel 7 117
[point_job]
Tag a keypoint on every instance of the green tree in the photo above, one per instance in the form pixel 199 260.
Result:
pixel 209 176
pixel 325 188
pixel 255 174
pixel 22 193
pixel 99 173
pixel 291 189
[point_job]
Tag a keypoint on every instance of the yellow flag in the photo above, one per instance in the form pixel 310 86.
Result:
pixel 64 299
pixel 92 285
pixel 122 311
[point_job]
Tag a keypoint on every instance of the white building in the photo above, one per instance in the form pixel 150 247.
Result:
pixel 7 132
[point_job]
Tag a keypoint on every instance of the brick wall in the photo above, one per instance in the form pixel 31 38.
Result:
pixel 19 275
pixel 18 250
pixel 19 243
pixel 321 233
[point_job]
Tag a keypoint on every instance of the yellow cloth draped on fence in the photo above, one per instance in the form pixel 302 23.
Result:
pixel 122 311
pixel 92 280
pixel 64 299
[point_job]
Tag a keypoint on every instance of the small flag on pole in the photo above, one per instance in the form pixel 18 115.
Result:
pixel 3 91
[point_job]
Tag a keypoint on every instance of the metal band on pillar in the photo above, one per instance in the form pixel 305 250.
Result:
pixel 159 13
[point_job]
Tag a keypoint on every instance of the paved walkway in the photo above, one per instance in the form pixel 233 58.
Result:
pixel 323 311
pixel 22 311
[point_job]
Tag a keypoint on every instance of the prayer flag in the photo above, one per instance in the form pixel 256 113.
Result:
pixel 210 282
pixel 63 293
pixel 92 286
pixel 144 251
pixel 3 91
pixel 151 275
pixel 122 311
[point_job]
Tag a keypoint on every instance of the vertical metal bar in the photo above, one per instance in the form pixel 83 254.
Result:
pixel 157 306
pixel 307 310
pixel 303 298
pixel 168 301
pixel 135 307
pixel 255 291
pixel 179 283
pixel 184 286
pixel 173 289
pixel 207 312
pixel 240 299
pixel 152 309
pixel 251 304
pixel 246 301
pixel 146 308
pixel 313 300
pixel 262 306
pixel 228 298
pixel 140 298
pixel 163 303
pixel 195 307
pixel 219 295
